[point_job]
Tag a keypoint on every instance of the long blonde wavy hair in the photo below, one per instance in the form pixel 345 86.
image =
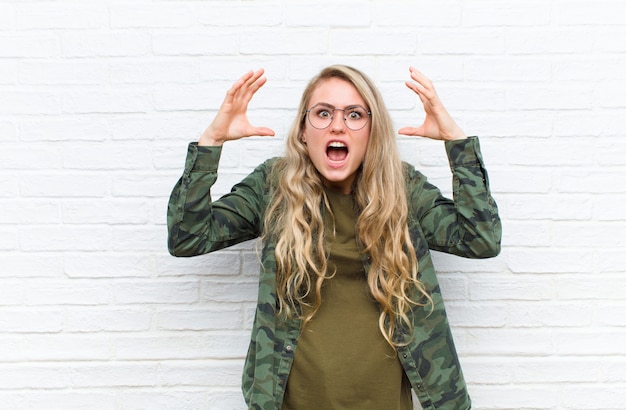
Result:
pixel 295 218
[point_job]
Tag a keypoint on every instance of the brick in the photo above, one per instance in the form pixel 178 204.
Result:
pixel 111 44
pixel 272 42
pixel 143 185
pixel 239 291
pixel 34 156
pixel 377 42
pixel 505 68
pixel 157 347
pixel 40 45
pixel 476 315
pixel 64 185
pixel 410 13
pixel 570 287
pixel 9 239
pixel 604 12
pixel 109 265
pixel 8 132
pixel 22 265
pixel 114 375
pixel 462 41
pixel 154 292
pixel 9 185
pixel 533 97
pixel 136 399
pixel 219 42
pixel 579 68
pixel 610 260
pixel 93 319
pixel 7 16
pixel 511 288
pixel 227 345
pixel 161 15
pixel 63 347
pixel 550 207
pixel 611 40
pixel 345 14
pixel 498 14
pixel 72 400
pixel 29 102
pixel 577 341
pixel 60 16
pixel 554 315
pixel 552 40
pixel 106 156
pixel 121 100
pixel 62 128
pixel 508 342
pixel 527 234
pixel 8 72
pixel 31 321
pixel 610 314
pixel 28 376
pixel 205 373
pixel 582 397
pixel 109 211
pixel 153 71
pixel 266 14
pixel 63 72
pixel 199 319
pixel 65 238
pixel 29 212
pixel 513 396
pixel 550 260
pixel 11 294
pixel 573 124
pixel 66 292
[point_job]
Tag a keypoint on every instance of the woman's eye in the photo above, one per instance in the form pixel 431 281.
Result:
pixel 355 115
pixel 323 114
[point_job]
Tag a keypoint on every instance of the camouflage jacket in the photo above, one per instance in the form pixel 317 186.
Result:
pixel 468 226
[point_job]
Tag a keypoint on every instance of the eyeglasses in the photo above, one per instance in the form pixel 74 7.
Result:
pixel 322 115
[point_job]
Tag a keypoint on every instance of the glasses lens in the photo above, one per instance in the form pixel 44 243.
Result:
pixel 355 117
pixel 320 116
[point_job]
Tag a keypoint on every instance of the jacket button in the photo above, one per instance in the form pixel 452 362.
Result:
pixel 288 348
pixel 420 386
pixel 405 355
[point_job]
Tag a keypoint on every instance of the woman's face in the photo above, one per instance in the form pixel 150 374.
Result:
pixel 336 151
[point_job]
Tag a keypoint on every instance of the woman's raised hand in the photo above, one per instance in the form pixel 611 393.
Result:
pixel 438 123
pixel 231 121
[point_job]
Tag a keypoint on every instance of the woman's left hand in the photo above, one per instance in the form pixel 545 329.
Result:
pixel 438 124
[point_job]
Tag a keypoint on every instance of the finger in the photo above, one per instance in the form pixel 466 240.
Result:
pixel 417 89
pixel 421 84
pixel 418 76
pixel 251 86
pixel 263 132
pixel 412 131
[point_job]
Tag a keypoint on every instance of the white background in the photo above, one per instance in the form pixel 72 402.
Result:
pixel 98 101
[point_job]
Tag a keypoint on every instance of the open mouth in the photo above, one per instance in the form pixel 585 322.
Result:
pixel 337 151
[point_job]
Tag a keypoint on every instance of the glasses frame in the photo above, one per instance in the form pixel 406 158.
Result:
pixel 332 117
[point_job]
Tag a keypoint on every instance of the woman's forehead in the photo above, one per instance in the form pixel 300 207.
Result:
pixel 336 92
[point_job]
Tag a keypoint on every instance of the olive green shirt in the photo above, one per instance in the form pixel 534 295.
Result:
pixel 343 362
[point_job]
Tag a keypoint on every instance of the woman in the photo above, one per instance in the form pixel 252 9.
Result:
pixel 350 314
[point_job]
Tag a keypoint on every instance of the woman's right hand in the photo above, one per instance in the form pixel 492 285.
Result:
pixel 231 121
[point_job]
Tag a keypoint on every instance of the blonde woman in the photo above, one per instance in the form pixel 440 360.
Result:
pixel 350 313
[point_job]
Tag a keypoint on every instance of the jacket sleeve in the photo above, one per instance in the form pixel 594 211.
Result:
pixel 469 225
pixel 196 224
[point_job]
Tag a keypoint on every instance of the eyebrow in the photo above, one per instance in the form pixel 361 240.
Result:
pixel 333 107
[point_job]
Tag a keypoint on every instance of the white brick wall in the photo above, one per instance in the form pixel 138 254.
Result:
pixel 98 101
